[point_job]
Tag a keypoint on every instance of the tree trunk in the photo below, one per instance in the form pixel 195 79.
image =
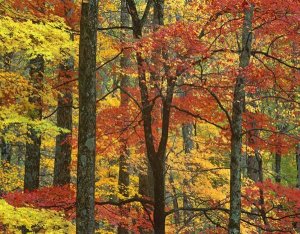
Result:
pixel 5 151
pixel 158 166
pixel 6 147
pixel 187 133
pixel 156 158
pixel 63 150
pixel 123 181
pixel 146 183
pixel 85 200
pixel 236 128
pixel 175 201
pixel 278 167
pixel 33 155
pixel 157 161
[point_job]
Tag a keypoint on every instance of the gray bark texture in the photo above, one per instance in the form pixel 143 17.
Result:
pixel 85 200
pixel 278 167
pixel 236 128
pixel 123 181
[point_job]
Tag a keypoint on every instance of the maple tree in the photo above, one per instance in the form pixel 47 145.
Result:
pixel 183 117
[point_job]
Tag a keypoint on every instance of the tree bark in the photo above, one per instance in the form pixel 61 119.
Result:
pixel 146 183
pixel 5 146
pixel 85 200
pixel 5 151
pixel 123 181
pixel 63 150
pixel 33 154
pixel 236 127
pixel 187 133
pixel 156 157
pixel 278 167
pixel 175 202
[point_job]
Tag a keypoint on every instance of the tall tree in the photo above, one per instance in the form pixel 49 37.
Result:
pixel 236 126
pixel 123 181
pixel 33 148
pixel 85 200
pixel 63 149
pixel 6 147
pixel 156 157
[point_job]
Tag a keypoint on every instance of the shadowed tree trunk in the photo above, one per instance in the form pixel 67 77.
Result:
pixel 33 154
pixel 157 156
pixel 85 200
pixel 63 150
pixel 146 187
pixel 5 151
pixel 236 127
pixel 278 167
pixel 253 161
pixel 6 147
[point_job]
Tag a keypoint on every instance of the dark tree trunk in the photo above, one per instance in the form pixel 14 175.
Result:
pixel 63 150
pixel 85 200
pixel 146 187
pixel 33 155
pixel 6 147
pixel 5 151
pixel 236 128
pixel 146 183
pixel 156 157
pixel 157 160
pixel 278 167
pixel 158 166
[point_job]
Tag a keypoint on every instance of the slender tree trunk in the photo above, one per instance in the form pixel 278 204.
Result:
pixel 63 151
pixel 85 200
pixel 236 134
pixel 157 161
pixel 156 158
pixel 6 147
pixel 253 166
pixel 187 133
pixel 33 155
pixel 123 181
pixel 175 201
pixel 278 167
pixel 253 161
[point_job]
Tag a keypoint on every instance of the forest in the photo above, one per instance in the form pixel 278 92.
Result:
pixel 150 116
